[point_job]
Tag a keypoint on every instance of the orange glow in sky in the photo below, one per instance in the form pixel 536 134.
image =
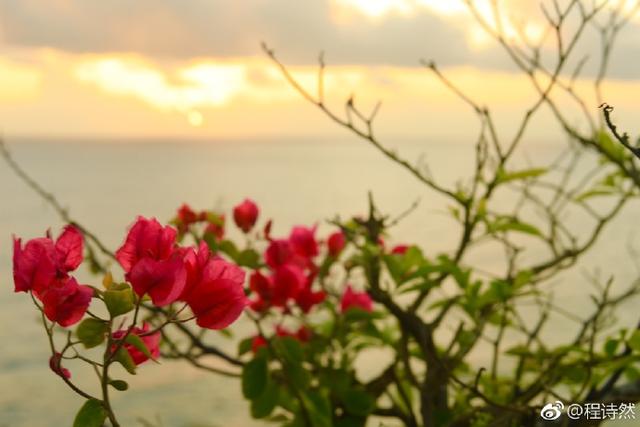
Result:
pixel 146 94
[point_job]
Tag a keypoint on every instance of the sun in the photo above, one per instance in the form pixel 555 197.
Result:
pixel 195 118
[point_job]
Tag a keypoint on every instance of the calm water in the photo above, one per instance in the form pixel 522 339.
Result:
pixel 295 182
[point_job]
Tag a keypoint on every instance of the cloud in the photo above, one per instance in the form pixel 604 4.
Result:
pixel 220 28
pixel 364 32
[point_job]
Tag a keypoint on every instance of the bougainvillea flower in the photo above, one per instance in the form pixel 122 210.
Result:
pixel 304 242
pixel 336 243
pixel 257 343
pixel 34 265
pixel 69 248
pixel 163 280
pixel 303 334
pixel 288 281
pixel 218 299
pixel 147 238
pixel 54 364
pixel 400 249
pixel 65 301
pixel 150 340
pixel 279 252
pixel 353 299
pixel 195 260
pixel 41 261
pixel 245 215
pixel 186 215
pixel 307 298
pixel 261 285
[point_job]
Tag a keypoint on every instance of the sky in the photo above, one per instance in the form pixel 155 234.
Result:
pixel 194 68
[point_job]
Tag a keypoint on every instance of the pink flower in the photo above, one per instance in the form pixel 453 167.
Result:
pixel 284 284
pixel 152 262
pixel 186 215
pixel 146 239
pixel 218 299
pixel 150 340
pixel 245 215
pixel 304 242
pixel 163 280
pixel 41 261
pixel 288 281
pixel 195 260
pixel 278 253
pixel 336 243
pixel 69 249
pixel 400 249
pixel 352 299
pixel 34 265
pixel 43 267
pixel 66 302
pixel 263 287
pixel 303 334
pixel 54 364
pixel 257 343
pixel 307 299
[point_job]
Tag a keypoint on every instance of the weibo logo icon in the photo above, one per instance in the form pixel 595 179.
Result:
pixel 552 411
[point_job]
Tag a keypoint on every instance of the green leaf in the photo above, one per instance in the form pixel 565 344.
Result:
pixel 612 148
pixel 290 349
pixel 519 350
pixel 124 358
pixel 254 378
pixel 297 375
pixel 631 373
pixel 244 346
pixel 92 332
pixel 575 374
pixel 263 405
pixel 358 314
pixel 319 408
pixel 596 192
pixel 610 346
pixel 137 342
pixel 504 176
pixel 119 385
pixel 461 276
pixel 393 265
pixel 634 341
pixel 350 421
pixel 499 290
pixel 522 278
pixel 119 301
pixel 512 224
pixel 358 402
pixel 91 414
pixel 229 248
pixel 248 258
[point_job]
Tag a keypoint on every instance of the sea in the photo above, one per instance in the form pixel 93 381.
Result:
pixel 105 185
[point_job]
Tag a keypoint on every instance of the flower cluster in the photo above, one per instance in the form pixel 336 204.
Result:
pixel 42 266
pixel 163 275
pixel 186 218
pixel 291 270
pixel 156 265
